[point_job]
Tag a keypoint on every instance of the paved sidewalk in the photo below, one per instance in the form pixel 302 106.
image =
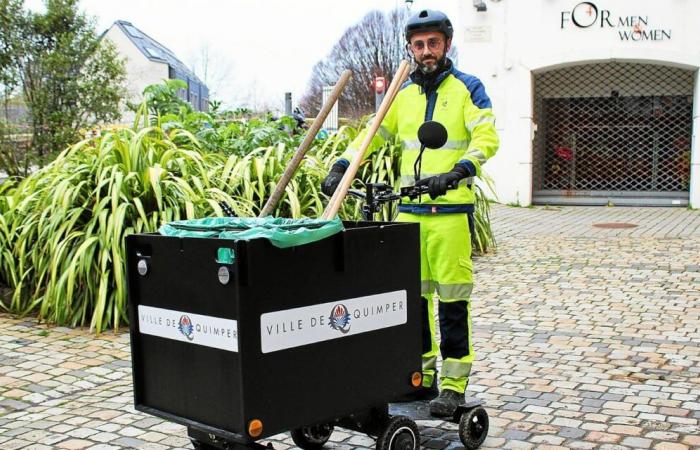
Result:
pixel 586 337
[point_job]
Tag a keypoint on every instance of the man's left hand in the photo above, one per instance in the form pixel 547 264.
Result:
pixel 439 184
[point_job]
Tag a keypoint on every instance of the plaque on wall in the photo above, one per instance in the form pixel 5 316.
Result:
pixel 477 33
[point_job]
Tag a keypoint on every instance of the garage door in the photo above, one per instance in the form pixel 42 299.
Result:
pixel 613 133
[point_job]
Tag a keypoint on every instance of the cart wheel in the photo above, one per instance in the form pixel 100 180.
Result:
pixel 474 427
pixel 197 445
pixel 312 438
pixel 401 433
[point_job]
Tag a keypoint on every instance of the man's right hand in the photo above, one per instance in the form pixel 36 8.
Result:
pixel 331 182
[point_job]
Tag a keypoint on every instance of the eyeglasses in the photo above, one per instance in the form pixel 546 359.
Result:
pixel 433 44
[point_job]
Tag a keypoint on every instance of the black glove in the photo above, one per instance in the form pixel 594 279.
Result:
pixel 439 184
pixel 331 182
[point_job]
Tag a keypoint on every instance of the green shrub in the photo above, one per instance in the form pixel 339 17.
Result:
pixel 62 228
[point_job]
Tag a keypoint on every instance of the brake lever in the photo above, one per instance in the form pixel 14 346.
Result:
pixel 357 193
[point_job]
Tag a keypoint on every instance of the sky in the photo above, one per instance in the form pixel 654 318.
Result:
pixel 259 49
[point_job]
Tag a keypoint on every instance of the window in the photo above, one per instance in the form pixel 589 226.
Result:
pixel 153 52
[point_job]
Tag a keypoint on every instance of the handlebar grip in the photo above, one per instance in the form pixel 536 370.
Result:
pixel 415 191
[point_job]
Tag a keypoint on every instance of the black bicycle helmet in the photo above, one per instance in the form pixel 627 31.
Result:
pixel 429 20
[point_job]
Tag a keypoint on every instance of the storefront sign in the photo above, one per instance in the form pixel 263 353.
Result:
pixel 629 27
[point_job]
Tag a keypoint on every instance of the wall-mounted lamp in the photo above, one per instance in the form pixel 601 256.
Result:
pixel 480 5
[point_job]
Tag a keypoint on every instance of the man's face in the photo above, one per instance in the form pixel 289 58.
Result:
pixel 428 48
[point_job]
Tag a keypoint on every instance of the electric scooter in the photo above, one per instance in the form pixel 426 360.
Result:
pixel 471 416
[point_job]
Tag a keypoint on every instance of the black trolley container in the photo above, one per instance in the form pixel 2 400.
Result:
pixel 180 293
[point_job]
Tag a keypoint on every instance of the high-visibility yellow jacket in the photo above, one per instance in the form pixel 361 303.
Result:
pixel 460 104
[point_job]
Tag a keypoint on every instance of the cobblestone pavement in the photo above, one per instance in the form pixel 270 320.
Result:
pixel 586 338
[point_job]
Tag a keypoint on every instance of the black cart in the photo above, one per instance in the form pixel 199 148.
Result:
pixel 269 340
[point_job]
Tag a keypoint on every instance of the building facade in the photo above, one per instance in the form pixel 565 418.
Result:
pixel 149 62
pixel 597 102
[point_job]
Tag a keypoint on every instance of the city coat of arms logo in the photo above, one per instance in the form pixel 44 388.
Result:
pixel 340 318
pixel 186 328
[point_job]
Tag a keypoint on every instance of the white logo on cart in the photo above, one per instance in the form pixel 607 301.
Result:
pixel 296 327
pixel 191 328
pixel 186 328
pixel 340 318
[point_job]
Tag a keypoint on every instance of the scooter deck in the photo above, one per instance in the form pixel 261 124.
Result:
pixel 420 409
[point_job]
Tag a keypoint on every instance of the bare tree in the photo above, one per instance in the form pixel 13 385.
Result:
pixel 256 97
pixel 213 68
pixel 372 48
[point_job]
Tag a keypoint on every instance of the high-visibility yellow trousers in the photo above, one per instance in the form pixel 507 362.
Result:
pixel 446 270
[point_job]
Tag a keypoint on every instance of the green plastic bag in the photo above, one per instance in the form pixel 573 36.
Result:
pixel 279 231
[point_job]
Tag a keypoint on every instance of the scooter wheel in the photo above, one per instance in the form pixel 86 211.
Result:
pixel 474 427
pixel 312 438
pixel 400 433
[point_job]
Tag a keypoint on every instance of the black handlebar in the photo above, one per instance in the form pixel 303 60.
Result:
pixel 376 194
pixel 414 192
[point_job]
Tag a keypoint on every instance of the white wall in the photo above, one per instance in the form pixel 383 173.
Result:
pixel 695 149
pixel 513 39
pixel 140 71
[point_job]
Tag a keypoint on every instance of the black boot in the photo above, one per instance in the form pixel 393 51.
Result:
pixel 446 403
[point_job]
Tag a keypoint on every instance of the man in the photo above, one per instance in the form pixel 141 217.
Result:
pixel 438 91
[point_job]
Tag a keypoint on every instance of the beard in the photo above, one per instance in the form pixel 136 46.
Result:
pixel 437 61
pixel 428 69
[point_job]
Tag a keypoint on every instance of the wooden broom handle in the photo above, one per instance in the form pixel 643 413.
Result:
pixel 304 146
pixel 342 189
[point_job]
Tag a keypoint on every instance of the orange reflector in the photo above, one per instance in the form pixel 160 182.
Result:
pixel 416 379
pixel 255 428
